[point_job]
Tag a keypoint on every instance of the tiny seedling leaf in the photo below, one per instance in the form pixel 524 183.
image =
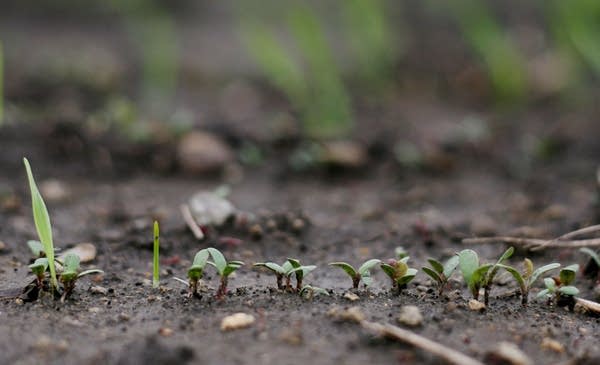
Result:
pixel 594 255
pixel 39 266
pixel 407 277
pixel 528 269
pixel 41 219
pixel 450 266
pixel 231 267
pixel 568 290
pixel 388 270
pixel 550 284
pixel 295 263
pixel 516 275
pixel 200 259
pixel 271 266
pixel 543 293
pixel 366 267
pixel 36 248
pixel 346 267
pixel 468 263
pixel 567 274
pixel 434 275
pixel 541 270
pixel 90 272
pixel 218 259
pixel 436 265
pixel 71 263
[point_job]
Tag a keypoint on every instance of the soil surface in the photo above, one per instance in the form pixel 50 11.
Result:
pixel 532 173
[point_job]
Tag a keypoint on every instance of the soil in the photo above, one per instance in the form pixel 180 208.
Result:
pixel 116 188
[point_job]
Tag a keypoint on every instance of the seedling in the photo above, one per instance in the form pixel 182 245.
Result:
pixel 308 292
pixel 42 224
pixel 560 287
pixel 224 269
pixel 155 261
pixel 39 268
pixel 36 248
pixel 363 273
pixel 528 277
pixel 280 271
pixel 477 276
pixel 300 270
pixel 399 272
pixel 592 267
pixel 196 271
pixel 441 273
pixel 71 273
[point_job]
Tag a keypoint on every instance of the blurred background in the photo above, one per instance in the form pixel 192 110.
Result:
pixel 409 80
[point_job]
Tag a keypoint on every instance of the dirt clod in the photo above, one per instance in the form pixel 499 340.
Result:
pixel 552 345
pixel 410 316
pixel 237 321
pixel 476 305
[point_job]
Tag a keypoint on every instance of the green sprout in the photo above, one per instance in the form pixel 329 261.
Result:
pixel 480 276
pixel 224 269
pixel 592 268
pixel 196 271
pixel 71 273
pixel 291 266
pixel 155 260
pixel 560 287
pixel 440 273
pixel 39 268
pixel 42 224
pixel 300 272
pixel 363 273
pixel 308 292
pixel 36 248
pixel 399 272
pixel 528 277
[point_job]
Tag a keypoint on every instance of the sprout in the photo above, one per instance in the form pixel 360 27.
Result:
pixel 38 268
pixel 399 272
pixel 224 269
pixel 528 277
pixel 363 273
pixel 308 292
pixel 71 273
pixel 477 276
pixel 560 287
pixel 291 266
pixel 42 224
pixel 441 273
pixel 155 260
pixel 196 271
pixel 36 248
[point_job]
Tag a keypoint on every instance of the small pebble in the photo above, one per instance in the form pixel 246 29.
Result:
pixel 410 315
pixel 476 305
pixel 552 345
pixel 237 321
pixel 86 252
pixel 298 225
pixel 165 332
pixel 2 246
pixel 124 317
pixel 351 296
pixel 352 314
pixel 96 289
pixel 256 231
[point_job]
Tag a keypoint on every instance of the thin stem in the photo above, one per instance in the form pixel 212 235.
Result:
pixel 156 268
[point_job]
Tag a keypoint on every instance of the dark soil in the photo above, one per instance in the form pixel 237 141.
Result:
pixel 503 184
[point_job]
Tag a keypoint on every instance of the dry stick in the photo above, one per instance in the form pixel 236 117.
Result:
pixel 586 230
pixel 535 243
pixel 191 223
pixel 450 355
pixel 588 304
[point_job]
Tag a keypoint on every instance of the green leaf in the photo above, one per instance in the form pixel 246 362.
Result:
pixel 271 266
pixel 36 248
pixel 436 265
pixel 407 277
pixel 468 262
pixel 478 276
pixel 155 257
pixel 594 255
pixel 494 269
pixel 287 266
pixel 71 263
pixel 388 270
pixel 295 263
pixel 219 260
pixel 366 267
pixel 200 258
pixel 434 275
pixel 528 269
pixel 231 267
pixel 567 274
pixel 39 266
pixel 543 293
pixel 568 290
pixel 400 253
pixel 550 284
pixel 450 266
pixel 302 270
pixel 367 280
pixel 541 270
pixel 41 219
pixel 346 267
pixel 516 275
pixel 90 272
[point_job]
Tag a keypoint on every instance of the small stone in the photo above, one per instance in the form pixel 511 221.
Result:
pixel 165 332
pixel 202 152
pixel 19 301
pixel 476 305
pixel 71 321
pixel 410 315
pixel 256 231
pixel 271 225
pixel 95 310
pixel 351 296
pixel 352 314
pixel 552 345
pixel 507 353
pixel 124 317
pixel 86 252
pixel 2 246
pixel 96 289
pixel 237 321
pixel 347 154
pixel 298 225
pixel 54 190
pixel 291 337
pixel 209 208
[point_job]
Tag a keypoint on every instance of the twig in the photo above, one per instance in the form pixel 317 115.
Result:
pixel 450 355
pixel 535 243
pixel 586 230
pixel 191 223
pixel 588 304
